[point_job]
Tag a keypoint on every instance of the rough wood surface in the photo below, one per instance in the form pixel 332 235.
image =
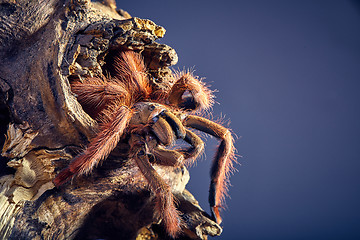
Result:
pixel 43 45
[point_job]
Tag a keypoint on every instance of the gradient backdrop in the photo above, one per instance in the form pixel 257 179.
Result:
pixel 288 77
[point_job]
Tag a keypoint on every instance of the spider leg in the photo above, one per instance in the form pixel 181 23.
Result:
pixel 165 126
pixel 190 93
pixel 99 147
pixel 163 131
pixel 197 147
pixel 180 156
pixel 176 125
pixel 222 164
pixel 129 68
pixel 94 94
pixel 168 157
pixel 164 206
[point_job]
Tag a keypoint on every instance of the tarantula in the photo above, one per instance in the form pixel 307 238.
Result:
pixel 127 106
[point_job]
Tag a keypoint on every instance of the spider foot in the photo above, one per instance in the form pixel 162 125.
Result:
pixel 215 214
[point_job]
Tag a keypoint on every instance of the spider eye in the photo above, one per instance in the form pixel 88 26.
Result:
pixel 188 101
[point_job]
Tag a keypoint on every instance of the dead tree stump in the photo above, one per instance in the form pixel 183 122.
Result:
pixel 43 45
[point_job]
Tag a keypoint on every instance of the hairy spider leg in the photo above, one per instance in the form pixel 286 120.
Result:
pixel 195 149
pixel 168 157
pixel 223 162
pixel 105 99
pixel 164 128
pixel 175 123
pixel 163 131
pixel 182 156
pixel 130 69
pixel 190 93
pixel 94 94
pixel 160 128
pixel 99 147
pixel 130 84
pixel 164 205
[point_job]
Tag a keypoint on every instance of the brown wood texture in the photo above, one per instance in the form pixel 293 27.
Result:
pixel 43 44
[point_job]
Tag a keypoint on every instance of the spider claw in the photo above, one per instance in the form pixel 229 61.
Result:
pixel 215 214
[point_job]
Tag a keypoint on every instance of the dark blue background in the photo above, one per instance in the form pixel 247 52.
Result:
pixel 287 75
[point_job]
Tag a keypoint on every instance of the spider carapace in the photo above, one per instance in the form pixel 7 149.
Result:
pixel 126 105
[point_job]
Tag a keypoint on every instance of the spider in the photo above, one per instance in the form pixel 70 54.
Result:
pixel 128 107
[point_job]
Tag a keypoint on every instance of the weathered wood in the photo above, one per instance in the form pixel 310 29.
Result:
pixel 43 45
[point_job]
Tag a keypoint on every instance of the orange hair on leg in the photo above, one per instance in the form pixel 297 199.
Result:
pixel 164 201
pixel 94 94
pixel 202 96
pixel 99 147
pixel 130 70
pixel 223 162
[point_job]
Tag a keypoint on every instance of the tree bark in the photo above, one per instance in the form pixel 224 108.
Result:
pixel 43 45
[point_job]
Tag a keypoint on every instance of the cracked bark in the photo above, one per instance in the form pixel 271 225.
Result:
pixel 43 45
